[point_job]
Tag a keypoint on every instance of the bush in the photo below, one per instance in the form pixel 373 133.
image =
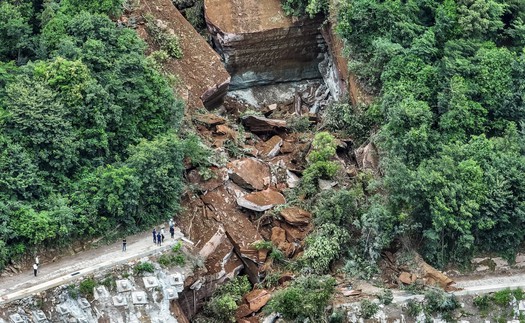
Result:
pixel 86 287
pixel 482 302
pixel 323 247
pixel 164 37
pixel 368 309
pixel 306 298
pixel 503 297
pixel 440 302
pixel 73 291
pixel 224 302
pixel 223 308
pixel 144 267
pixel 386 297
pixel 414 308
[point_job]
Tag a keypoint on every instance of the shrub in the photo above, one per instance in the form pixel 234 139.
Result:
pixel 223 308
pixel 144 267
pixel 503 297
pixel 414 308
pixel 73 291
pixel 386 297
pixel 86 287
pixel 224 303
pixel 439 301
pixel 482 302
pixel 323 247
pixel 164 37
pixel 368 309
pixel 306 298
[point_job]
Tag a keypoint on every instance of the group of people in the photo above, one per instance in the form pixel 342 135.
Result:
pixel 158 236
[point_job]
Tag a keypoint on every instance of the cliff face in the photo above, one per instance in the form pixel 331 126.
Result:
pixel 260 45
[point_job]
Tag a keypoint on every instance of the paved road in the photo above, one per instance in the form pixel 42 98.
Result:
pixel 84 263
pixel 474 286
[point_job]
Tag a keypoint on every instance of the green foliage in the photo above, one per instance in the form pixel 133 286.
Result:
pixel 143 267
pixel 174 257
pixel 225 300
pixel 482 302
pixel 299 123
pixel 86 287
pixel 368 309
pixel 437 301
pixel 414 308
pixel 502 297
pixel 73 291
pixel 448 79
pixel 305 298
pixel 319 164
pixel 164 37
pixel 302 7
pixel 322 247
pixel 386 297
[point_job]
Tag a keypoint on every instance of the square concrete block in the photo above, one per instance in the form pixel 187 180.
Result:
pixel 171 293
pixel 120 300
pixel 177 281
pixel 100 292
pixel 39 316
pixel 139 298
pixel 521 306
pixel 83 303
pixel 123 285
pixel 62 309
pixel 16 318
pixel 150 282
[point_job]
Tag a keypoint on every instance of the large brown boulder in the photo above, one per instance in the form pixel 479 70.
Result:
pixel 249 173
pixel 261 201
pixel 296 216
pixel 258 124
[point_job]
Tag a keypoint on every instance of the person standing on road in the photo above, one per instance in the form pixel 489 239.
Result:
pixel 172 224
pixel 37 261
pixel 154 236
pixel 124 244
pixel 172 232
pixel 35 269
pixel 159 239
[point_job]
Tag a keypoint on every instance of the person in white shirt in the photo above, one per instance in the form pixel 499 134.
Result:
pixel 35 269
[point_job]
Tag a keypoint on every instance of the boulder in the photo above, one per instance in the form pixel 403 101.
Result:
pixel 296 216
pixel 326 185
pixel 227 131
pixel 367 157
pixel 405 278
pixel 279 239
pixel 219 176
pixel 257 299
pixel 261 201
pixel 249 173
pixel 291 179
pixel 209 119
pixel 258 124
pixel 287 147
pixel 242 311
pixel 271 147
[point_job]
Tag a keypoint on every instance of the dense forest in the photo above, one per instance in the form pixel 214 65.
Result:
pixel 88 127
pixel 448 77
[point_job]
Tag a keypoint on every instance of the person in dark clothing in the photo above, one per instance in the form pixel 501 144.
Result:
pixel 124 244
pixel 35 269
pixel 162 237
pixel 154 236
pixel 159 239
pixel 172 232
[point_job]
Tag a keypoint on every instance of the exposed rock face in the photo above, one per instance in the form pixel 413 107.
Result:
pixel 367 157
pixel 249 173
pixel 203 77
pixel 271 147
pixel 261 45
